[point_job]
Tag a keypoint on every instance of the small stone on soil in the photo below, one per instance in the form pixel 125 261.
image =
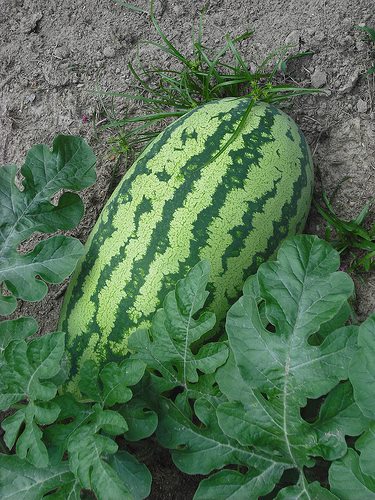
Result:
pixel 350 84
pixel 29 98
pixel 109 52
pixel 178 10
pixel 359 45
pixel 61 52
pixel 160 7
pixel 320 36
pixel 293 38
pixel 318 78
pixel 28 24
pixel 361 106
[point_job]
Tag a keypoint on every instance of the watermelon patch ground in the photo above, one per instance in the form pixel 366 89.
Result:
pixel 53 54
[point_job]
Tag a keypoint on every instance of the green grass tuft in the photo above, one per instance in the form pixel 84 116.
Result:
pixel 370 32
pixel 204 76
pixel 351 237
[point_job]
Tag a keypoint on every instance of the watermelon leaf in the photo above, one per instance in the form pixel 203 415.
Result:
pixel 201 447
pixel 365 444
pixel 85 449
pixel 362 368
pixel 306 491
pixel 302 291
pixel 109 386
pixel 91 452
pixel 69 165
pixel 141 420
pixel 233 484
pixel 16 329
pixel 167 346
pixel 19 480
pixel 348 481
pixel 135 476
pixel 340 411
pixel 29 440
pixel 262 410
pixel 26 370
pixel 84 431
pixel 72 415
pixel 56 432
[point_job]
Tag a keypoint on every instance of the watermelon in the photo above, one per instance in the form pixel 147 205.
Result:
pixel 226 182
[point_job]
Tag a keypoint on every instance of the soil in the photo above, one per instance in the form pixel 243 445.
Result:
pixel 54 55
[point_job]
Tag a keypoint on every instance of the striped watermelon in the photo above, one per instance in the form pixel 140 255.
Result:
pixel 217 184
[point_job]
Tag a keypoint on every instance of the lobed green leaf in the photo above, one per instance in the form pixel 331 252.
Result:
pixel 348 481
pixel 16 329
pixel 362 368
pixel 134 475
pixel 20 480
pixel 167 347
pixel 289 347
pixel 69 165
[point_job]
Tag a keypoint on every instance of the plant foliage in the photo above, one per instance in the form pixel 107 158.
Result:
pixel 282 401
pixel 167 346
pixel 62 445
pixel 350 236
pixel 370 32
pixel 25 210
pixel 291 387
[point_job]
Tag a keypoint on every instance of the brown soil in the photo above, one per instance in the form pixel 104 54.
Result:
pixel 53 54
